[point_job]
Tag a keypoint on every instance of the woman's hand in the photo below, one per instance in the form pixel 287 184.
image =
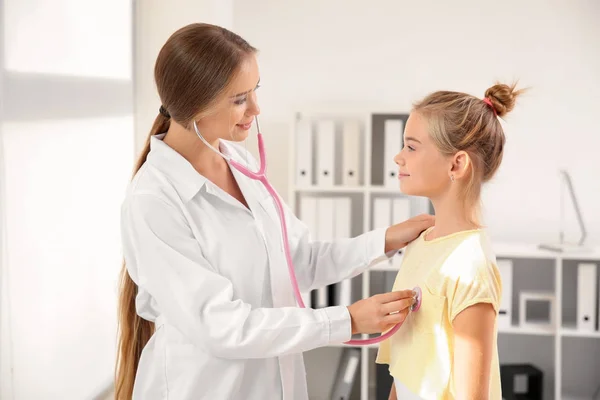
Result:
pixel 399 235
pixel 380 312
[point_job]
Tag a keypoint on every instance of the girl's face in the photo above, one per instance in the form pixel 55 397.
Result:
pixel 423 169
pixel 232 115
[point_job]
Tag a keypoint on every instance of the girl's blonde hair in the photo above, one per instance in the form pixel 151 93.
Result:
pixel 461 122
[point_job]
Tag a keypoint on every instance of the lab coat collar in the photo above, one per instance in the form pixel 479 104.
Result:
pixel 187 181
pixel 235 152
pixel 181 173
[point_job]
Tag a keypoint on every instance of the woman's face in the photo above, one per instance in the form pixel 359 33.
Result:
pixel 232 115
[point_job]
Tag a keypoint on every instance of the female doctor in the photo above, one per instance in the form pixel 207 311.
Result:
pixel 206 306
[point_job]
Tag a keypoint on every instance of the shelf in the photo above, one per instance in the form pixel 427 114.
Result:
pixel 528 330
pixel 384 190
pixel 329 189
pixel 583 255
pixel 530 250
pixel 384 267
pixel 571 331
pixel 348 189
pixel 518 250
pixel 341 345
pixel 574 397
pixel 369 346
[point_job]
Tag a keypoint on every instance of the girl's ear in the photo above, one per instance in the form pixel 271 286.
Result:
pixel 461 162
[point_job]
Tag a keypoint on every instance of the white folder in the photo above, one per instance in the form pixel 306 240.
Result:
pixel 391 147
pixel 325 152
pixel 344 292
pixel 342 217
pixel 400 210
pixel 505 312
pixel 304 153
pixel 325 218
pixel 322 297
pixel 351 153
pixel 586 296
pixel 382 210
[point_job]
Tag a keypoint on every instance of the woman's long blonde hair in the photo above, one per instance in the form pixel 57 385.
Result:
pixel 462 122
pixel 193 68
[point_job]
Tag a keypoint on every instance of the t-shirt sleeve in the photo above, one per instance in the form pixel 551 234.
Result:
pixel 478 282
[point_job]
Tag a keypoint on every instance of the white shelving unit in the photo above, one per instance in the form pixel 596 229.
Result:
pixel 569 358
pixel 574 372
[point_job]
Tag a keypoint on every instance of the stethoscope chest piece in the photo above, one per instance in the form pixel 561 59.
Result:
pixel 418 299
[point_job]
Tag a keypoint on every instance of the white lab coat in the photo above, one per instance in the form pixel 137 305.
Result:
pixel 212 275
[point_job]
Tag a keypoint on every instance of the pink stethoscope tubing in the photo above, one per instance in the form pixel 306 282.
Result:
pixel 262 177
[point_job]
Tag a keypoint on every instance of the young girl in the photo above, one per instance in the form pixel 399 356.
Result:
pixel 447 349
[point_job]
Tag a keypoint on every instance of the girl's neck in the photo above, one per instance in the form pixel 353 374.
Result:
pixel 451 216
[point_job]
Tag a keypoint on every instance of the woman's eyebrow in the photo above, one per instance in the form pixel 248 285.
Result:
pixel 246 92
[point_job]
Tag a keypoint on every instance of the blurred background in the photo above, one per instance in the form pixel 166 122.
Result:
pixel 77 100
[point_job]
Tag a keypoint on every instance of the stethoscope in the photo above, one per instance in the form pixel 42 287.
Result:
pixel 261 176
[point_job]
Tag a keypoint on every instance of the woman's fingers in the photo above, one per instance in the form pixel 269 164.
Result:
pixel 373 314
pixel 397 306
pixel 395 319
pixel 388 297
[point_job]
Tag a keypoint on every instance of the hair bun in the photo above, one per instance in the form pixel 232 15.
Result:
pixel 503 97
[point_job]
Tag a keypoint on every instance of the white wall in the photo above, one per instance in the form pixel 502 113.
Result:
pixel 386 56
pixel 155 21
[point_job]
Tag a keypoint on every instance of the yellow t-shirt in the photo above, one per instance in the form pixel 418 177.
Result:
pixel 453 272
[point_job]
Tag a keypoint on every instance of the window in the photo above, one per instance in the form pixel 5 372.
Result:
pixel 67 157
pixel 69 37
